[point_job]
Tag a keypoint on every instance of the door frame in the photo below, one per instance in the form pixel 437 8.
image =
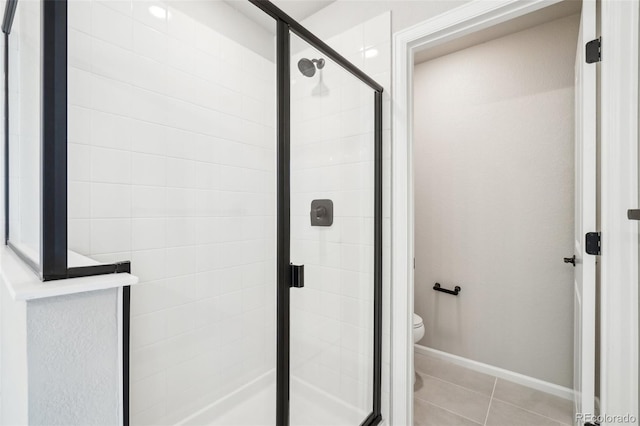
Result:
pixel 619 189
pixel 466 19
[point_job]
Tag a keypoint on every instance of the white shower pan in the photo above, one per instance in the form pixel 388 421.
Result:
pixel 253 405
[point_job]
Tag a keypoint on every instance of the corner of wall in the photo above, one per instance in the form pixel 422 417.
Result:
pixel 13 360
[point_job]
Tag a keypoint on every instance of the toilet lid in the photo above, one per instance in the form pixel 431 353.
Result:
pixel 417 321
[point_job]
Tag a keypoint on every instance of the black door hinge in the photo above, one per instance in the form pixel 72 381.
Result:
pixel 593 51
pixel 592 243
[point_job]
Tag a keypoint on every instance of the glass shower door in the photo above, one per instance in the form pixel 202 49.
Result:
pixel 332 190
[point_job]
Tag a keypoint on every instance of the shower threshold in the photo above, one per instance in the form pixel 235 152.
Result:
pixel 254 405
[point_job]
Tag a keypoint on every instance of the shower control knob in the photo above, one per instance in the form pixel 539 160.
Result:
pixel 320 212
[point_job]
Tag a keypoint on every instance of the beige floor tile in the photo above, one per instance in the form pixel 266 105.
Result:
pixel 454 398
pixel 426 414
pixel 557 408
pixel 455 374
pixel 503 414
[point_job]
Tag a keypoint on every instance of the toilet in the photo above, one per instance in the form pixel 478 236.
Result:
pixel 418 328
pixel 418 332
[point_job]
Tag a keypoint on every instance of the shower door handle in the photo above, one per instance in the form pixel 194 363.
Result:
pixel 297 275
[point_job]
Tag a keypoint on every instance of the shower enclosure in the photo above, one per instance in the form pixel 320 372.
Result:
pixel 232 161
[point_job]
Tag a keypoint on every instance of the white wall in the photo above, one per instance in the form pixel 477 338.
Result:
pixel 25 129
pixel 172 152
pixel 494 200
pixel 332 157
pixel 60 356
pixel 74 372
pixel 14 390
pixel 232 24
pixel 341 15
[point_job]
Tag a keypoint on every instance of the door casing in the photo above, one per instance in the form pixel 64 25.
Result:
pixel 464 20
pixel 619 192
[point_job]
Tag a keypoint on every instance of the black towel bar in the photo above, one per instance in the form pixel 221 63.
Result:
pixel 455 290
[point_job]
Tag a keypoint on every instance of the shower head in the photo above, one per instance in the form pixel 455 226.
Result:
pixel 308 66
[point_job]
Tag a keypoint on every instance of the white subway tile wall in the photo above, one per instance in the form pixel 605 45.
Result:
pixel 24 86
pixel 171 165
pixel 172 154
pixel 332 154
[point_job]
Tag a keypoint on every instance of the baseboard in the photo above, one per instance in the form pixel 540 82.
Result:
pixel 501 373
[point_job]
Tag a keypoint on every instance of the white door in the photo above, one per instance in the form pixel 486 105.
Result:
pixel 585 219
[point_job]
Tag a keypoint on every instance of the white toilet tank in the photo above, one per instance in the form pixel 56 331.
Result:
pixel 418 328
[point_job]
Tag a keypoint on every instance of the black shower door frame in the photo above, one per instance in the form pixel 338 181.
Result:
pixel 53 215
pixel 53 264
pixel 285 26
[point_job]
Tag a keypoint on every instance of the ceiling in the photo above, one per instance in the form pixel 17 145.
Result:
pixel 547 14
pixel 301 9
pixel 297 9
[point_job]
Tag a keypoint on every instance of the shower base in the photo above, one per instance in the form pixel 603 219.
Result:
pixel 254 405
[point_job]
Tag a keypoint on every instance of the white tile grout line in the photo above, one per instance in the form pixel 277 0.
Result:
pixel 495 382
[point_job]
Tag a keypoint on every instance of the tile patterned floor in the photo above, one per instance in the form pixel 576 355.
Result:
pixel 446 394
